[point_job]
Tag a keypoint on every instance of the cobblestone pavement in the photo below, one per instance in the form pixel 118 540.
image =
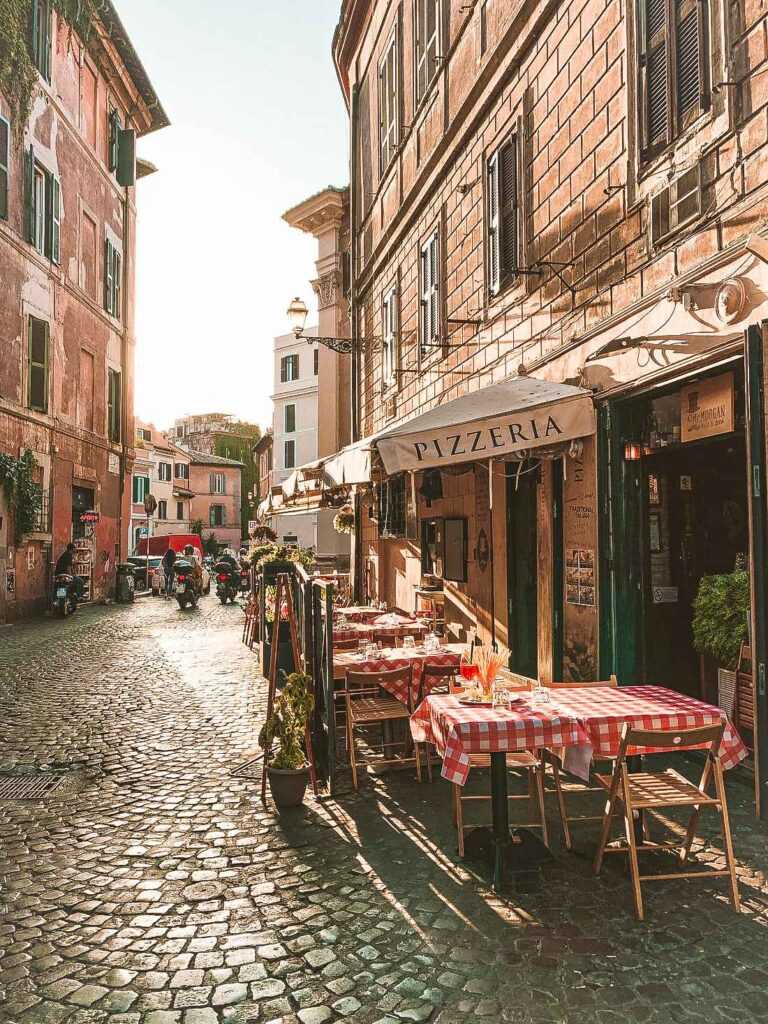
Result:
pixel 153 888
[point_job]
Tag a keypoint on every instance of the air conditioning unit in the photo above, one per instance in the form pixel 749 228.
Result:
pixel 678 204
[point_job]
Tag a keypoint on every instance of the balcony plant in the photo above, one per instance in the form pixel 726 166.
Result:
pixel 282 739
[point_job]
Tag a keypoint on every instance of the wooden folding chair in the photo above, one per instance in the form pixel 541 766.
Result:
pixel 744 707
pixel 554 759
pixel 388 637
pixel 346 645
pixel 369 703
pixel 640 791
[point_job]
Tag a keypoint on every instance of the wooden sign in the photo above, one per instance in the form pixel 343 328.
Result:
pixel 707 408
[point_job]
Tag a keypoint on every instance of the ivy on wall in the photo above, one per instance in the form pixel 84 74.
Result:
pixel 18 74
pixel 21 492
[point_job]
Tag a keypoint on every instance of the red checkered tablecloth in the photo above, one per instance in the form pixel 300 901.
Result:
pixel 604 710
pixel 359 613
pixel 363 631
pixel 398 657
pixel 457 731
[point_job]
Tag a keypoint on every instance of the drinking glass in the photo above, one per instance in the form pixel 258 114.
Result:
pixel 409 641
pixel 467 668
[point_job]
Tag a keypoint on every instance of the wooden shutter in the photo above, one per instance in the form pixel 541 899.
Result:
pixel 509 211
pixel 117 261
pixel 5 154
pixel 126 156
pixel 38 364
pixel 494 280
pixel 53 218
pixel 690 60
pixel 434 317
pixel 29 193
pixel 426 306
pixel 107 275
pixel 655 77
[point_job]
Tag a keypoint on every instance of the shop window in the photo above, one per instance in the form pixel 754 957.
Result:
pixel 162 509
pixel 181 471
pixel 5 163
pixel 673 68
pixel 140 489
pixel 179 509
pixel 112 281
pixel 39 348
pixel 426 44
pixel 391 499
pixel 444 548
pixel 289 368
pixel 289 455
pixel 216 515
pixel 43 208
pixel 389 332
pixel 290 419
pixel 164 471
pixel 114 405
pixel 389 104
pixel 503 216
pixel 429 275
pixel 40 36
pixel 218 483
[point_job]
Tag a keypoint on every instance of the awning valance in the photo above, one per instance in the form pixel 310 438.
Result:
pixel 499 420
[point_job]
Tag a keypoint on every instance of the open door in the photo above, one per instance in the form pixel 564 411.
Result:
pixel 522 538
pixel 758 514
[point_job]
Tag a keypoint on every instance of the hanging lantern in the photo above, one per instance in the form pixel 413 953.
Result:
pixel 633 451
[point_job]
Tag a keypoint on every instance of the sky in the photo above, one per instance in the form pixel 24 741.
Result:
pixel 258 124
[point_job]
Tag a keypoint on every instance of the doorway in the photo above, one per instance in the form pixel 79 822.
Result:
pixel 522 542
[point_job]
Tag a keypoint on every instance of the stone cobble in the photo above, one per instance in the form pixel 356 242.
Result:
pixel 152 887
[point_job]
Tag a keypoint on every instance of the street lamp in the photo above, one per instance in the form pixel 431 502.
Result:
pixel 297 317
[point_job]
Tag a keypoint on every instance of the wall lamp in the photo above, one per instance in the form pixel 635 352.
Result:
pixel 297 317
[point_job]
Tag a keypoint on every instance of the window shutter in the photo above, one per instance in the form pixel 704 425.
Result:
pixel 509 234
pixel 5 150
pixel 654 84
pixel 114 139
pixel 690 60
pixel 29 192
pixel 434 318
pixel 126 156
pixel 493 224
pixel 107 275
pixel 211 483
pixel 54 219
pixel 117 261
pixel 425 303
pixel 34 38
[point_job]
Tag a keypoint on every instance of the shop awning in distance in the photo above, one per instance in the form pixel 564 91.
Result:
pixel 499 420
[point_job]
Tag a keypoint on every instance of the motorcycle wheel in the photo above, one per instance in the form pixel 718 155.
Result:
pixel 62 607
pixel 182 602
pixel 223 598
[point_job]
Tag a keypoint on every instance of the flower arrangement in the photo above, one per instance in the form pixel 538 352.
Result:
pixel 488 663
pixel 344 520
pixel 268 551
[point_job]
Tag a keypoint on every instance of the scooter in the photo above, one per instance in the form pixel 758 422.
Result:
pixel 245 581
pixel 64 595
pixel 185 585
pixel 227 582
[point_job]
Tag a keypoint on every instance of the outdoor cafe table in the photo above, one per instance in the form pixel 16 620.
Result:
pixel 359 613
pixel 397 657
pixel 583 721
pixel 365 630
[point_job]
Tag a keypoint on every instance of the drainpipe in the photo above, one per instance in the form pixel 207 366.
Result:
pixel 354 404
pixel 124 372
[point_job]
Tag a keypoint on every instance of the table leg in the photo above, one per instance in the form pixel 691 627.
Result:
pixel 500 812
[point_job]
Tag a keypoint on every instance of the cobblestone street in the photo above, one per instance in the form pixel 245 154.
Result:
pixel 153 888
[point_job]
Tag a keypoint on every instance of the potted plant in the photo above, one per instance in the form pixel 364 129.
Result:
pixel 282 738
pixel 720 614
pixel 344 520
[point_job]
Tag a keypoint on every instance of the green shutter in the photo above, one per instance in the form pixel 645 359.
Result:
pixel 29 193
pixel 55 219
pixel 5 154
pixel 126 156
pixel 107 275
pixel 37 389
pixel 509 213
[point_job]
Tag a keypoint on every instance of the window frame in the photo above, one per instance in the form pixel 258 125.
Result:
pixel 41 37
pixel 218 483
pixel 286 428
pixel 114 405
pixel 34 365
pixel 292 443
pixel 180 511
pixel 437 566
pixel 212 509
pixel 113 266
pixel 291 360
pixel 390 321
pixel 183 466
pixel 390 91
pixel 164 472
pixel 162 509
pixel 5 168
pixel 139 494
pixel 499 275
pixel 421 52
pixel 431 286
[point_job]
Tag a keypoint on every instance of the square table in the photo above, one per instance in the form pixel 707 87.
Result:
pixel 397 657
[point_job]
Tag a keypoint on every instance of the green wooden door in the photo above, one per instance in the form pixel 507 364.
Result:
pixel 521 570
pixel 558 562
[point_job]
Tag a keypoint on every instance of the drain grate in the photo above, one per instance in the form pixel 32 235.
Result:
pixel 28 787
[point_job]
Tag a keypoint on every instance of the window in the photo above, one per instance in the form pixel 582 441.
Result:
pixel 503 217
pixel 390 500
pixel 85 383
pixel 140 489
pixel 179 509
pixel 290 419
pixel 5 162
pixel 444 548
pixel 315 361
pixel 43 208
pixel 428 14
pixel 389 104
pixel 164 471
pixel 39 345
pixel 112 282
pixel 40 36
pixel 290 538
pixel 289 455
pixel 113 139
pixel 181 471
pixel 218 483
pixel 162 509
pixel 389 333
pixel 216 515
pixel 429 319
pixel 289 368
pixel 483 26
pixel 114 406
pixel 143 434
pixel 673 68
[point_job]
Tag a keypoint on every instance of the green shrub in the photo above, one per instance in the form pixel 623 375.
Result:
pixel 720 616
pixel 287 725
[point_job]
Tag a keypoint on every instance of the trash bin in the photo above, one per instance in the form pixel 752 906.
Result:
pixel 125 586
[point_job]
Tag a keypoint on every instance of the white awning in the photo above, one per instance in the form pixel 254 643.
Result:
pixel 502 419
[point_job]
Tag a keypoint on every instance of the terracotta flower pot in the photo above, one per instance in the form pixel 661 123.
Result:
pixel 288 785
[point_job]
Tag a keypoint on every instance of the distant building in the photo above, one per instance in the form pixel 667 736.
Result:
pixel 216 486
pixel 264 453
pixel 162 469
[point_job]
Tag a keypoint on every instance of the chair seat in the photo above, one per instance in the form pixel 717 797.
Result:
pixel 515 759
pixel 660 789
pixel 377 709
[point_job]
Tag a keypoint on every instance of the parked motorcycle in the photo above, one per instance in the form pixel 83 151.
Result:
pixel 185 587
pixel 245 581
pixel 64 595
pixel 227 582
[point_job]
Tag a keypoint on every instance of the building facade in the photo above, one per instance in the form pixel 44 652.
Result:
pixel 570 194
pixel 67 255
pixel 216 487
pixel 263 452
pixel 161 469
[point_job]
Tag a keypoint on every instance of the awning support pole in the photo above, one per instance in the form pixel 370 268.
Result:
pixel 494 645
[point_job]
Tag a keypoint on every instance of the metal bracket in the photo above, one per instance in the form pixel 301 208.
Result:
pixel 343 345
pixel 554 266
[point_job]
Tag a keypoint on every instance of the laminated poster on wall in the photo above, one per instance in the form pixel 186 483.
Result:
pixel 580 576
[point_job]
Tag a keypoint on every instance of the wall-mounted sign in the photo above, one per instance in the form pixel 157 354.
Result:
pixel 113 463
pixel 252 524
pixel 10 581
pixel 665 595
pixel 483 552
pixel 91 516
pixel 707 408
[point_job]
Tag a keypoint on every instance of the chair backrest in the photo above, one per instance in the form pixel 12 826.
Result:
pixel 613 681
pixel 433 676
pixel 369 684
pixel 346 645
pixel 388 637
pixel 671 739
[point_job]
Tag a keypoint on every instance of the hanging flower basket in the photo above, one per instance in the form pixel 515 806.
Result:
pixel 264 533
pixel 344 520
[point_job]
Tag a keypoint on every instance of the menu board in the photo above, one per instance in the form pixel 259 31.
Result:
pixel 580 576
